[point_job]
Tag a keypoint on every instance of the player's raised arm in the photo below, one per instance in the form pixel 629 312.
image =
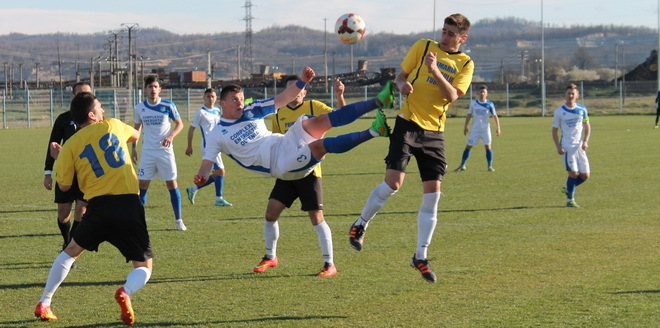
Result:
pixel 290 93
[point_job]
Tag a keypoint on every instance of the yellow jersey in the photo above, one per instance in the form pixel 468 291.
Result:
pixel 99 157
pixel 426 106
pixel 286 116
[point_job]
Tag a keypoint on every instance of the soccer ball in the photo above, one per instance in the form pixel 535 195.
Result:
pixel 350 28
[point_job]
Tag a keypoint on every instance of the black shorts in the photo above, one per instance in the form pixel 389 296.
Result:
pixel 119 220
pixel 428 147
pixel 309 189
pixel 69 196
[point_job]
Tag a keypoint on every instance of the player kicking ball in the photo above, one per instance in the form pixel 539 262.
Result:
pixel 243 136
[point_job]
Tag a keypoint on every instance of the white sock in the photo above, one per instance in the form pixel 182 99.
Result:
pixel 58 272
pixel 136 279
pixel 426 222
pixel 271 234
pixel 325 241
pixel 375 202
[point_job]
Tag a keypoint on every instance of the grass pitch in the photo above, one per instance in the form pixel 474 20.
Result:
pixel 506 250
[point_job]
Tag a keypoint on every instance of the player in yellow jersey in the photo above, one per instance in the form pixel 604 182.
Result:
pixel 98 156
pixel 308 189
pixel 433 75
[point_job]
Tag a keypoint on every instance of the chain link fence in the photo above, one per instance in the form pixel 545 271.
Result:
pixel 25 108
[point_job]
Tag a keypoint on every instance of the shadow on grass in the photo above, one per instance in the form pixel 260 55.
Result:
pixel 637 292
pixel 166 280
pixel 30 235
pixel 64 284
pixel 29 211
pixel 282 320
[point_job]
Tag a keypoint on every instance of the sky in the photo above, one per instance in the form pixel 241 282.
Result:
pixel 392 16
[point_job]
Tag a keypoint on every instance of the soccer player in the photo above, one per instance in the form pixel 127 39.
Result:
pixel 308 189
pixel 157 156
pixel 206 118
pixel 243 136
pixel 482 110
pixel 573 120
pixel 63 129
pixel 97 155
pixel 433 75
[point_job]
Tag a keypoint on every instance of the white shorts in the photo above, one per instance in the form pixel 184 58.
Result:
pixel 217 164
pixel 575 159
pixel 475 136
pixel 291 158
pixel 155 162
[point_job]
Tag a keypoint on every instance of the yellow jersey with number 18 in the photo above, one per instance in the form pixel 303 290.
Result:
pixel 100 158
pixel 426 106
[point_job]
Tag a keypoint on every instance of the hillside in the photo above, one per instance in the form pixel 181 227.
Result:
pixel 495 45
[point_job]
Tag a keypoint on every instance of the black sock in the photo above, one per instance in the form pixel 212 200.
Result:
pixel 65 230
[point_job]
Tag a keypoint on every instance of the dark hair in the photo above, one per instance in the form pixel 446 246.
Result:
pixel 291 78
pixel 572 86
pixel 209 90
pixel 459 21
pixel 150 79
pixel 483 87
pixel 81 105
pixel 230 88
pixel 79 85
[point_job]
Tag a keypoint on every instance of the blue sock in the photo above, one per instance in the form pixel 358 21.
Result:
pixel 219 185
pixel 210 180
pixel 345 142
pixel 571 183
pixel 489 156
pixel 579 181
pixel 143 196
pixel 466 155
pixel 351 112
pixel 175 199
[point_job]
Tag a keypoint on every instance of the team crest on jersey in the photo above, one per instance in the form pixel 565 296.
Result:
pixel 249 114
pixel 224 131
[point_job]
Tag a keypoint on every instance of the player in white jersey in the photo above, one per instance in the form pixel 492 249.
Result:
pixel 207 118
pixel 243 136
pixel 154 116
pixel 573 120
pixel 482 110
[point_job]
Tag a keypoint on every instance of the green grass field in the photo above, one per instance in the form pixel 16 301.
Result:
pixel 506 250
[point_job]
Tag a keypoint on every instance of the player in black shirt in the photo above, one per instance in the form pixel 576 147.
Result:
pixel 63 129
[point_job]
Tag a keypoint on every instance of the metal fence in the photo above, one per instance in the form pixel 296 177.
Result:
pixel 39 108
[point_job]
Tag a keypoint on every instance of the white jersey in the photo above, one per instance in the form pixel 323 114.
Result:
pixel 481 113
pixel 246 140
pixel 156 122
pixel 570 120
pixel 205 120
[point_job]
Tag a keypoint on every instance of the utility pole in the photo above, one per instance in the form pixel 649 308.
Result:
pixel 249 59
pixel 5 66
pixel 325 52
pixel 129 27
pixel 208 69
pixel 20 75
pixel 36 71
